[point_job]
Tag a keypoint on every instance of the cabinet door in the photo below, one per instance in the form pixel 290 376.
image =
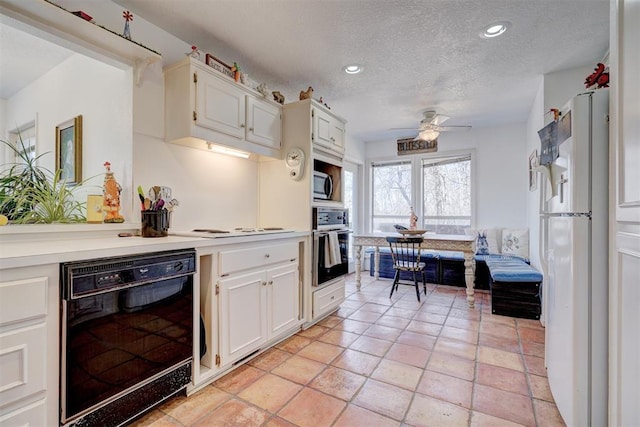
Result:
pixel 220 106
pixel 337 135
pixel 284 301
pixel 322 128
pixel 263 123
pixel 243 315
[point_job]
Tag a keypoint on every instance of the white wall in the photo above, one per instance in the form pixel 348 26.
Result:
pixel 501 174
pixel 214 190
pixel 535 122
pixel 102 95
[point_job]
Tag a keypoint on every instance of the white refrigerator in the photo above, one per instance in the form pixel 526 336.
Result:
pixel 574 242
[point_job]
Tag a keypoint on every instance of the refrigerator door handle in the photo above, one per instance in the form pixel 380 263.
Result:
pixel 542 247
pixel 561 182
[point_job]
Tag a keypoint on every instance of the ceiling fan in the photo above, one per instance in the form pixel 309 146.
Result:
pixel 431 126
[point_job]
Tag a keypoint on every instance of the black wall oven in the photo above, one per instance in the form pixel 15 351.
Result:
pixel 330 244
pixel 127 335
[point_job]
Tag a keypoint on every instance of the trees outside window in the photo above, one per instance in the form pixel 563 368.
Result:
pixel 446 184
pixel 442 199
pixel 391 195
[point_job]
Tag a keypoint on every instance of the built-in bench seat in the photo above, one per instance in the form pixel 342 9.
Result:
pixel 443 267
pixel 430 258
pixel 515 288
pixel 514 284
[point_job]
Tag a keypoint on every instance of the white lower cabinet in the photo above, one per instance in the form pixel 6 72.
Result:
pixel 34 414
pixel 328 298
pixel 29 347
pixel 259 297
pixel 243 304
pixel 283 299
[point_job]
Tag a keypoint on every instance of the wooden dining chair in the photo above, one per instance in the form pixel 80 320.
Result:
pixel 405 253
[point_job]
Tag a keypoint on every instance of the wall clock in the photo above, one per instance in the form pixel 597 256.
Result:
pixel 294 161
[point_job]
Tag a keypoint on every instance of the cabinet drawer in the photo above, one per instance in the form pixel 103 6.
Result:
pixel 30 415
pixel 327 298
pixel 232 261
pixel 22 300
pixel 22 363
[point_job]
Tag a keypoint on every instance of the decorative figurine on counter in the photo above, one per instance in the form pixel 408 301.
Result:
pixel 306 94
pixel 413 220
pixel 111 197
pixel 128 16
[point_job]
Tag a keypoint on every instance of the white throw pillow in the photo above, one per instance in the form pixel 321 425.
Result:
pixel 486 240
pixel 515 242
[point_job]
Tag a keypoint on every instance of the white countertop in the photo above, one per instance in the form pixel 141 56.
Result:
pixel 54 244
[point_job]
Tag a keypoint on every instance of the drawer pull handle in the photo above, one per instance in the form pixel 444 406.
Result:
pixel 251 129
pixel 333 296
pixel 266 255
pixel 242 125
pixel 271 282
pixel 264 283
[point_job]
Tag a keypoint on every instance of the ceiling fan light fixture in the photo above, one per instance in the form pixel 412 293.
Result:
pixel 428 134
pixel 352 69
pixel 495 29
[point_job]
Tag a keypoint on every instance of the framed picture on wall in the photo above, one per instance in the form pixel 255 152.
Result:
pixel 69 150
pixel 533 175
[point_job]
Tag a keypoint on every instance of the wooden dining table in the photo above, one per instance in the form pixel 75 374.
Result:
pixel 439 242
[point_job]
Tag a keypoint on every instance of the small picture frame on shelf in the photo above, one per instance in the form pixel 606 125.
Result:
pixel 219 66
pixel 69 150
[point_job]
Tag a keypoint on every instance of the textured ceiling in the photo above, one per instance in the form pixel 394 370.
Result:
pixel 417 54
pixel 24 58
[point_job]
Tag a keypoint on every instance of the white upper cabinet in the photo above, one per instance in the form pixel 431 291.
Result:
pixel 220 106
pixel 202 105
pixel 264 122
pixel 328 131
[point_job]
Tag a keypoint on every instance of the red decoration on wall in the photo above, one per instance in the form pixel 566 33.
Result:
pixel 600 77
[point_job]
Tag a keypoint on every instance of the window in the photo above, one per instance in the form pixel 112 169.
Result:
pixel 351 178
pixel 438 187
pixel 446 184
pixel 391 195
pixel 24 139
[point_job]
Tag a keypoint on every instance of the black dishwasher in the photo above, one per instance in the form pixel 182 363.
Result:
pixel 127 335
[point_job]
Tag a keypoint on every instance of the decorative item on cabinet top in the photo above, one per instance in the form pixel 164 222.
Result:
pixel 219 66
pixel 306 94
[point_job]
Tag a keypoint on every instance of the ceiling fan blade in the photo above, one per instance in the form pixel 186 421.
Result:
pixel 415 129
pixel 451 128
pixel 439 119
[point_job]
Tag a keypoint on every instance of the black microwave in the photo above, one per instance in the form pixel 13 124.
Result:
pixel 322 185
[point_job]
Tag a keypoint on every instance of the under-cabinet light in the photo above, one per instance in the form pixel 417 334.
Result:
pixel 228 151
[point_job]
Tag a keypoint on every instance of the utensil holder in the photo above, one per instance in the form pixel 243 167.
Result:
pixel 155 223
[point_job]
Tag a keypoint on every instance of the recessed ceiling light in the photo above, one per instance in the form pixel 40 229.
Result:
pixel 352 69
pixel 495 29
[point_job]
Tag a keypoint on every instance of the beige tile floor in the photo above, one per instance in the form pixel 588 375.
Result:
pixel 386 362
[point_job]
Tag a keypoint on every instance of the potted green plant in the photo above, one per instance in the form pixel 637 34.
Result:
pixel 31 194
